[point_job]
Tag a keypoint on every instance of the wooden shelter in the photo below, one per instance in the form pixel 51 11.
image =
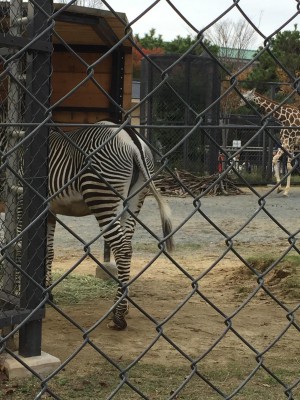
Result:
pixel 91 63
pixel 93 35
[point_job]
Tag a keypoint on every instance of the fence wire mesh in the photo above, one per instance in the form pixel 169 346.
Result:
pixel 218 318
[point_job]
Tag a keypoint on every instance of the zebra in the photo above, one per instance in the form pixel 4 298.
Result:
pixel 106 171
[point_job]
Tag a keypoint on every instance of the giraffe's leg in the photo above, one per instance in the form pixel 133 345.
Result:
pixel 276 165
pixel 288 181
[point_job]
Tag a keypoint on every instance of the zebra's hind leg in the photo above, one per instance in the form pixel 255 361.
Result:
pixel 122 251
pixel 107 207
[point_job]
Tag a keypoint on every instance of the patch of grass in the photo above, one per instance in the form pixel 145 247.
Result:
pixel 156 382
pixel 261 262
pixel 82 288
pixel 286 274
pixel 292 282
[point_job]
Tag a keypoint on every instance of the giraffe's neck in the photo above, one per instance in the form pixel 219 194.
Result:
pixel 268 106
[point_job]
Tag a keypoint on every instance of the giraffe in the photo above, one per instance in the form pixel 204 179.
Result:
pixel 286 115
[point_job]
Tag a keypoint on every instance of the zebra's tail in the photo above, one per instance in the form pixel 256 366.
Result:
pixel 144 159
pixel 165 214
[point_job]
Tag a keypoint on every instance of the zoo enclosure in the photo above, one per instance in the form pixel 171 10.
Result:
pixel 35 109
pixel 197 82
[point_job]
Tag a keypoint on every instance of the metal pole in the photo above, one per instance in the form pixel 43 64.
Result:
pixel 35 174
pixel 213 116
pixel 12 190
pixel 117 89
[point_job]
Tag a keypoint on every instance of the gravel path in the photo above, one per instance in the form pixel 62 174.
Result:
pixel 228 213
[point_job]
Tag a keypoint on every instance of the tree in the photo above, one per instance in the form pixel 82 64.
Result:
pixel 153 43
pixel 138 55
pixel 150 40
pixel 234 39
pixel 179 45
pixel 83 3
pixel 285 47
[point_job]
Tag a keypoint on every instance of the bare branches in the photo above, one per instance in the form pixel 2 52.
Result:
pixel 234 38
pixel 83 3
pixel 235 34
pixel 170 186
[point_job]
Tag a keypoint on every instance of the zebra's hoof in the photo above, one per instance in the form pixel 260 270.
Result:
pixel 117 324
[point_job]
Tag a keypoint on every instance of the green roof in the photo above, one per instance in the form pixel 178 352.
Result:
pixel 240 54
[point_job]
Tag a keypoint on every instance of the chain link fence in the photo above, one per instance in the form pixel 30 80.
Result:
pixel 216 319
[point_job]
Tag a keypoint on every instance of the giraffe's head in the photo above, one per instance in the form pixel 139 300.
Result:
pixel 248 95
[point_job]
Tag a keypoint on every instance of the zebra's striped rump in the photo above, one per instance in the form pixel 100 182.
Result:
pixel 100 170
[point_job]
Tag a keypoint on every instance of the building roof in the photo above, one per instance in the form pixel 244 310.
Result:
pixel 80 25
pixel 238 54
pixel 95 26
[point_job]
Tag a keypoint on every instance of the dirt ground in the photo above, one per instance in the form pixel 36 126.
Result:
pixel 167 283
pixel 196 295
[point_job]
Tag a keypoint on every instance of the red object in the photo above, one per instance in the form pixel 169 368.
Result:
pixel 221 161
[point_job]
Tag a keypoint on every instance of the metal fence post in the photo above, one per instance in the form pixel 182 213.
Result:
pixel 11 187
pixel 35 174
pixel 117 94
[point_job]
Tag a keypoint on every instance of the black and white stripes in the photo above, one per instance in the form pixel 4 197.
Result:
pixel 110 166
pixel 97 170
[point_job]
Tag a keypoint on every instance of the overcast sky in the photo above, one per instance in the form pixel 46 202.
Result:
pixel 268 15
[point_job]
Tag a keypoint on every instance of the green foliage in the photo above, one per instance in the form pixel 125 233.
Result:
pixel 287 49
pixel 179 45
pixel 285 46
pixel 150 40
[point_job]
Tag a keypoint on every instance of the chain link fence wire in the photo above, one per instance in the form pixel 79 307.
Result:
pixel 198 329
